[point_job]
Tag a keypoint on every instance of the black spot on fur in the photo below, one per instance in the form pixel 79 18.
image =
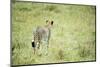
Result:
pixel 33 44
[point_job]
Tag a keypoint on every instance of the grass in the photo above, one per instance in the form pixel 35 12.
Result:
pixel 73 33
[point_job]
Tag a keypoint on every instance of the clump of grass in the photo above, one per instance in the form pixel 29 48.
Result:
pixel 84 51
pixel 87 50
pixel 50 7
pixel 53 8
pixel 60 55
pixel 25 9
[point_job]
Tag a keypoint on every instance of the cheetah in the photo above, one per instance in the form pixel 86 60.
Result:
pixel 42 34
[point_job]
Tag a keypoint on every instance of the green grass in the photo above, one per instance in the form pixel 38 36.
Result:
pixel 73 33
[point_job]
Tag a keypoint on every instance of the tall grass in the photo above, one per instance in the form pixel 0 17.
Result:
pixel 73 33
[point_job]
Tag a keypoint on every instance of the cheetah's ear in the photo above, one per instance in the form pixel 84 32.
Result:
pixel 52 22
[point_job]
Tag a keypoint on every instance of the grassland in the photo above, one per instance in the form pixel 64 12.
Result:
pixel 73 33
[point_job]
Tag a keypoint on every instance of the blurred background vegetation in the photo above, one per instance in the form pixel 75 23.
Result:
pixel 73 36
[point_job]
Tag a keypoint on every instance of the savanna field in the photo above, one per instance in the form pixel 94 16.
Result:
pixel 73 37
